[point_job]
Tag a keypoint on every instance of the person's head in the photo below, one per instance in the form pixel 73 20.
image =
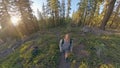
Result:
pixel 67 36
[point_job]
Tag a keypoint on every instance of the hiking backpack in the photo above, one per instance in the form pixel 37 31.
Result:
pixel 70 42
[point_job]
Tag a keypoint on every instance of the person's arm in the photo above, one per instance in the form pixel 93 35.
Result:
pixel 60 45
pixel 71 47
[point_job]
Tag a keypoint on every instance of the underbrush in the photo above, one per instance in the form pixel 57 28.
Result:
pixel 23 58
pixel 103 51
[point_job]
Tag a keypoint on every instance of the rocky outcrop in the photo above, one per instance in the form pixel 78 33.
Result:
pixel 94 30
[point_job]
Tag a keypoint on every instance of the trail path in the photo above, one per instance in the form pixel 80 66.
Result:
pixel 62 63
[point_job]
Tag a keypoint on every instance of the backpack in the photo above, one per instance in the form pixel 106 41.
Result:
pixel 70 42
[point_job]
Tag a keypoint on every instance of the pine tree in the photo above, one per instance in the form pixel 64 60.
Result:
pixel 5 18
pixel 108 14
pixel 68 8
pixel 53 8
pixel 63 9
pixel 27 17
pixel 44 11
pixel 83 11
pixel 116 14
pixel 4 14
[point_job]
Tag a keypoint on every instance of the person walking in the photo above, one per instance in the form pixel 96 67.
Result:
pixel 65 46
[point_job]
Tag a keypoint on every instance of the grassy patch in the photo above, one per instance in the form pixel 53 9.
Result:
pixel 103 50
pixel 23 58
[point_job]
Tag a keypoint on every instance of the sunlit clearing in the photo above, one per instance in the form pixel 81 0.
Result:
pixel 15 20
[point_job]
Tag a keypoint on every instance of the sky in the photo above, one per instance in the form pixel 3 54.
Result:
pixel 37 4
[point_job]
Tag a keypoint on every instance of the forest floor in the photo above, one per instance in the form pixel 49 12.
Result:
pixel 87 48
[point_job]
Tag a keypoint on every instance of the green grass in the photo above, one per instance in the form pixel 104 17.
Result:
pixel 48 56
pixel 109 47
pixel 13 61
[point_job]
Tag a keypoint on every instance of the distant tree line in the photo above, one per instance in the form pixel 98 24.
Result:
pixel 94 13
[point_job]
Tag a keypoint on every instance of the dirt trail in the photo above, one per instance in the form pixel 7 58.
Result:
pixel 79 51
pixel 62 63
pixel 8 51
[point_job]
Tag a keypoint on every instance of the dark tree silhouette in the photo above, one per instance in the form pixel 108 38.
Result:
pixel 107 15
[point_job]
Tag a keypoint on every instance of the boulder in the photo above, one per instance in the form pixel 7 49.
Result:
pixel 94 30
pixel 86 29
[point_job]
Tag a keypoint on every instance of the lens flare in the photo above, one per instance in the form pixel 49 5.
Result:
pixel 15 20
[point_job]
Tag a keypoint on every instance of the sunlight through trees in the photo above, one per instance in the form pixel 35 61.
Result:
pixel 15 20
pixel 57 13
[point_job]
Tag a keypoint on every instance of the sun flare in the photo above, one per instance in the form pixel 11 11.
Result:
pixel 15 20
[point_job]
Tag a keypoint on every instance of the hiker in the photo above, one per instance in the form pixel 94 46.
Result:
pixel 65 46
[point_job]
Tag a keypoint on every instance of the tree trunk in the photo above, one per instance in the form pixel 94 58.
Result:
pixel 107 15
pixel 116 13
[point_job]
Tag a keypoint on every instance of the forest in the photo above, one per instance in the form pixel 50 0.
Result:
pixel 94 27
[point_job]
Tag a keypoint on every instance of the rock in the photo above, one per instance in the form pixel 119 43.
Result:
pixel 86 29
pixel 94 30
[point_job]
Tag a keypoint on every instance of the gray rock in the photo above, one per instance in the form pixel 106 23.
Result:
pixel 86 29
pixel 94 30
